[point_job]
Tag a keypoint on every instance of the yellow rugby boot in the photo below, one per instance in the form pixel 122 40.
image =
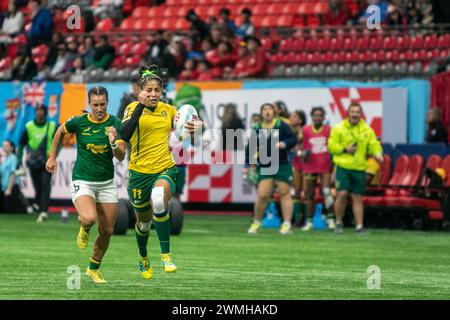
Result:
pixel 254 227
pixel 95 275
pixel 145 268
pixel 167 263
pixel 82 238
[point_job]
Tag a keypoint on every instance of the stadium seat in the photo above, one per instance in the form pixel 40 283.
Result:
pixel 291 71
pixel 278 71
pixel 105 25
pixel 400 172
pixel 127 24
pixel 140 12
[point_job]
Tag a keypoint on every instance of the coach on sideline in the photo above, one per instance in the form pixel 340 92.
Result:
pixel 350 143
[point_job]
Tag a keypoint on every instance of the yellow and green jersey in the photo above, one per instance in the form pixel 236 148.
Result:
pixel 150 151
pixel 362 136
pixel 94 154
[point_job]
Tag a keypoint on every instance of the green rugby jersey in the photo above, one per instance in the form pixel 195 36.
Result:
pixel 94 154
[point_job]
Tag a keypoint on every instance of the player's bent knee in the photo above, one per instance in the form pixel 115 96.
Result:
pixel 144 226
pixel 87 219
pixel 157 199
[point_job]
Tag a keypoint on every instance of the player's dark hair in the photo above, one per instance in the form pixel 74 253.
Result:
pixel 148 73
pixel 97 91
pixel 266 104
pixel 319 108
pixel 302 115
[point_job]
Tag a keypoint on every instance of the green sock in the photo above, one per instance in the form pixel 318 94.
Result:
pixel 141 239
pixel 162 226
pixel 94 264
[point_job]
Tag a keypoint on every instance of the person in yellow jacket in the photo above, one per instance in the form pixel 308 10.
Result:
pixel 351 142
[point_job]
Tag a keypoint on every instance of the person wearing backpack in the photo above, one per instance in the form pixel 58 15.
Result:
pixel 37 139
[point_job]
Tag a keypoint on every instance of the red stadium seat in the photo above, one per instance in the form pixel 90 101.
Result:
pixel 260 9
pixel 140 12
pixel 125 49
pixel 417 42
pixel 414 170
pixel 385 174
pixel 170 11
pixel 214 10
pixel 139 49
pixel 276 8
pixel 140 24
pixel 181 24
pixel 156 11
pixel 444 41
pixel 105 25
pixel 446 166
pixel 127 24
pixel 400 171
pixel 133 61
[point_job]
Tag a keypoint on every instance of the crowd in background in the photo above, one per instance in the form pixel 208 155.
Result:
pixel 214 49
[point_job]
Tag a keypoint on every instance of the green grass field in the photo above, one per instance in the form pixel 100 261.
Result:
pixel 216 259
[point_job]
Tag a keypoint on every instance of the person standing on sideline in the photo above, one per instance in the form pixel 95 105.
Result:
pixel 282 177
pixel 350 143
pixel 38 139
pixel 436 131
pixel 316 163
pixel 11 198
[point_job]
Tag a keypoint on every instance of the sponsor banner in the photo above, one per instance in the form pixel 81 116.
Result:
pixel 334 100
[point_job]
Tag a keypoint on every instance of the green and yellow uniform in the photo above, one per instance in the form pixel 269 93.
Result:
pixel 94 154
pixel 150 156
pixel 350 168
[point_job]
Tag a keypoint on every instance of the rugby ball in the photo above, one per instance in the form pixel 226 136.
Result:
pixel 183 115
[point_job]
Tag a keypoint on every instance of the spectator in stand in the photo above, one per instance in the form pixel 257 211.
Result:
pixel 12 23
pixel 41 23
pixel 53 50
pixel 226 22
pixel 104 54
pixel 72 50
pixel 241 63
pixel 253 63
pixel 109 9
pixel 76 72
pixel 204 71
pixel 216 35
pixel 436 132
pixel 190 71
pixel 156 51
pixel 246 28
pixel 23 66
pixel 87 51
pixel 222 57
pixel 174 56
pixel 59 68
pixel 395 17
pixel 198 26
pixel 338 14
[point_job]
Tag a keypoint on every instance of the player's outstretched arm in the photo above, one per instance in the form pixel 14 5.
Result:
pixel 51 161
